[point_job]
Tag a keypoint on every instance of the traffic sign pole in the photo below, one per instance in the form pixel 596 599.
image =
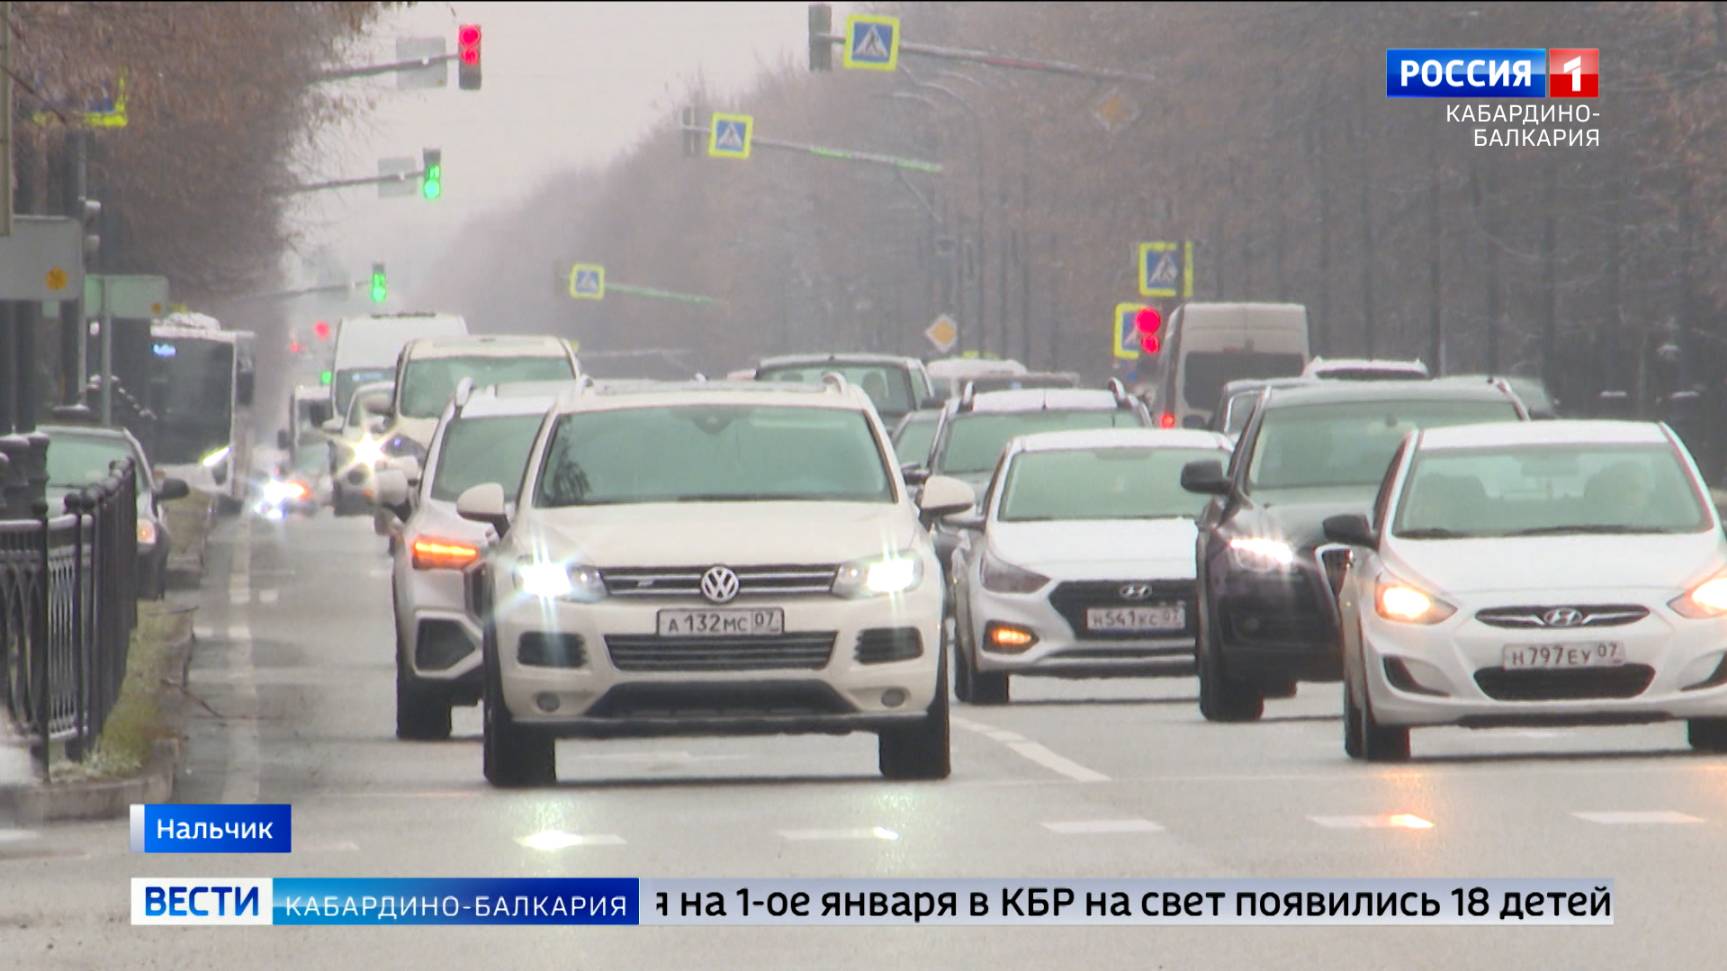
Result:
pixel 836 154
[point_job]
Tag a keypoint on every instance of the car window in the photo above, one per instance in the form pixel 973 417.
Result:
pixel 1204 373
pixel 487 449
pixel 712 453
pixel 1550 489
pixel 1384 498
pixel 974 440
pixel 1101 483
pixel 428 382
pixel 914 440
pixel 75 462
pixel 1349 443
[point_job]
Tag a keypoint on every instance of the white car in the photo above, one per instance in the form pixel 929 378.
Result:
pixel 1081 561
pixel 430 368
pixel 482 436
pixel 356 450
pixel 1364 369
pixel 712 558
pixel 1563 572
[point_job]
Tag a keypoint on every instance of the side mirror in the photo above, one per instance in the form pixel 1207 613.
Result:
pixel 484 503
pixel 410 469
pixel 1351 530
pixel 971 522
pixel 170 489
pixel 332 427
pixel 943 496
pixel 283 442
pixel 376 406
pixel 1193 421
pixel 1205 476
pixel 914 474
pixel 391 488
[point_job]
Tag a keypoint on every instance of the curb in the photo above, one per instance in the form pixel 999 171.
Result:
pixel 107 798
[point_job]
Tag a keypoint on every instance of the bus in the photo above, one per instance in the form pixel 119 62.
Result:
pixel 196 380
pixel 1207 345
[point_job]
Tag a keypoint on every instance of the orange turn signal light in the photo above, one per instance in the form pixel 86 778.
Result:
pixel 442 554
pixel 1007 637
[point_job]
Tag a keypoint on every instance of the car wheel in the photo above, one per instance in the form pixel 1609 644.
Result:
pixel 920 751
pixel 422 712
pixel 1707 734
pixel 512 757
pixel 1378 743
pixel 1352 726
pixel 1221 698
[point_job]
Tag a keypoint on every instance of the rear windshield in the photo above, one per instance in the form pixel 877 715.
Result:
pixel 1350 443
pixel 428 383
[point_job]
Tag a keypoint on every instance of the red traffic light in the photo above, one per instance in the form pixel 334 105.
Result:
pixel 295 347
pixel 1166 420
pixel 1149 343
pixel 468 57
pixel 1147 321
pixel 321 330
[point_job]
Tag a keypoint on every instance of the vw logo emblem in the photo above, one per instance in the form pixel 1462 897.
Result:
pixel 719 584
pixel 1135 591
pixel 1562 617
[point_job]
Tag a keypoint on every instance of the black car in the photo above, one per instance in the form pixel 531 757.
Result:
pixel 1267 604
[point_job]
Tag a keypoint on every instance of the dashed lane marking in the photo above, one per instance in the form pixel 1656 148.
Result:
pixel 1033 751
pixel 867 833
pixel 1390 821
pixel 1093 827
pixel 551 840
pixel 1637 817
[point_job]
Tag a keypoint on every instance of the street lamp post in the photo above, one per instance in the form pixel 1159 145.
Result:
pixel 978 175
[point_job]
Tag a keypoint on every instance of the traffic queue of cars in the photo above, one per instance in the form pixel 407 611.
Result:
pixel 599 559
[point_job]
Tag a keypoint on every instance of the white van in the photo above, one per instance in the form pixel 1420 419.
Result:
pixel 950 374
pixel 367 348
pixel 1207 345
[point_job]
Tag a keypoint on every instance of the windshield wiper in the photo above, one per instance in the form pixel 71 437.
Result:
pixel 1604 530
pixel 1434 532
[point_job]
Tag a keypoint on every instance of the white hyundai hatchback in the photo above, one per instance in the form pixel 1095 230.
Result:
pixel 1081 562
pixel 1547 573
pixel 712 558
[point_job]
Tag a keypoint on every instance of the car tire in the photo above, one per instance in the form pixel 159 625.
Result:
pixel 1222 698
pixel 1707 734
pixel 1376 742
pixel 922 751
pixel 422 711
pixel 512 757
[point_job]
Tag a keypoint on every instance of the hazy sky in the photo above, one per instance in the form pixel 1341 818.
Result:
pixel 565 85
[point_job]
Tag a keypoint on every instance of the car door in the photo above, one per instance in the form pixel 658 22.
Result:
pixel 972 543
pixel 1356 593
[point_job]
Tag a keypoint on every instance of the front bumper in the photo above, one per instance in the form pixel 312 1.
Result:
pixel 1452 673
pixel 1277 625
pixel 1064 647
pixel 657 688
pixel 442 640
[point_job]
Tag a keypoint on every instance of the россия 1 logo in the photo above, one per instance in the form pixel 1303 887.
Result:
pixel 1532 72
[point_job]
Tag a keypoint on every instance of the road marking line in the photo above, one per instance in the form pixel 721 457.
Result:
pixel 17 835
pixel 1034 751
pixel 244 767
pixel 870 833
pixel 1392 821
pixel 1635 818
pixel 550 840
pixel 268 596
pixel 1087 827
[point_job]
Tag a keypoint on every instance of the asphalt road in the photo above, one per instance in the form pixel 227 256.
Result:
pixel 1075 779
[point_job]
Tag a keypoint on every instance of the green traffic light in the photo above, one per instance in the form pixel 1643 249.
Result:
pixel 380 288
pixel 324 377
pixel 432 185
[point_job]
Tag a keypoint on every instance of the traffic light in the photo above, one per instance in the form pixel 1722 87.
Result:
pixel 468 57
pixel 90 214
pixel 821 25
pixel 1146 323
pixel 321 330
pixel 294 345
pixel 431 173
pixel 380 284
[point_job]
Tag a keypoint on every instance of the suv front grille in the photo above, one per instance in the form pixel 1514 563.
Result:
pixel 879 645
pixel 1071 599
pixel 1593 615
pixel 753 581
pixel 807 650
pixel 1537 684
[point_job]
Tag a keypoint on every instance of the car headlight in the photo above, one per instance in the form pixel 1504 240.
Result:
pixel 1408 604
pixel 1705 600
pixel 368 451
pixel 1000 576
pixel 895 573
pixel 554 580
pixel 1260 553
pixel 146 533
pixel 214 458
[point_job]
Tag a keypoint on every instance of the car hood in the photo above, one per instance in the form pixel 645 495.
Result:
pixel 1091 548
pixel 1297 516
pixel 1605 563
pixel 732 533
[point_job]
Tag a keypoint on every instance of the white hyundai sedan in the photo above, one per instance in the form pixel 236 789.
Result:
pixel 1549 573
pixel 1081 563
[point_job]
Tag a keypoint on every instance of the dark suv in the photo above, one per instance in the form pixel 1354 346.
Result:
pixel 1267 604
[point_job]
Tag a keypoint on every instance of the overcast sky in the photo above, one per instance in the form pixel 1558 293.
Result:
pixel 565 85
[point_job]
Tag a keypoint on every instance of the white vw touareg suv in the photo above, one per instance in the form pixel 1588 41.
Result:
pixel 711 558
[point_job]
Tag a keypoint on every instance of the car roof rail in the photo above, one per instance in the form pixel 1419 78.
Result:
pixel 967 396
pixel 834 380
pixel 464 391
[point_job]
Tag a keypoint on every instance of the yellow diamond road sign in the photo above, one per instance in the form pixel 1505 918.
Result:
pixel 944 333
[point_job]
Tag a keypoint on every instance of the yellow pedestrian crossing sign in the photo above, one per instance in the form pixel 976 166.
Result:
pixel 729 135
pixel 872 42
pixel 1165 269
pixel 587 281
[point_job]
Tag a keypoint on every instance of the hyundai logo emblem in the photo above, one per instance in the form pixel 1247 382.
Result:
pixel 719 584
pixel 1135 591
pixel 1562 617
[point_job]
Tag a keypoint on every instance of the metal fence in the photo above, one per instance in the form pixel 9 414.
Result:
pixel 68 603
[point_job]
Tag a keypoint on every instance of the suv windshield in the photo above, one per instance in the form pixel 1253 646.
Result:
pixel 1101 483
pixel 888 386
pixel 974 441
pixel 428 382
pixel 477 450
pixel 1350 443
pixel 1549 489
pixel 712 453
